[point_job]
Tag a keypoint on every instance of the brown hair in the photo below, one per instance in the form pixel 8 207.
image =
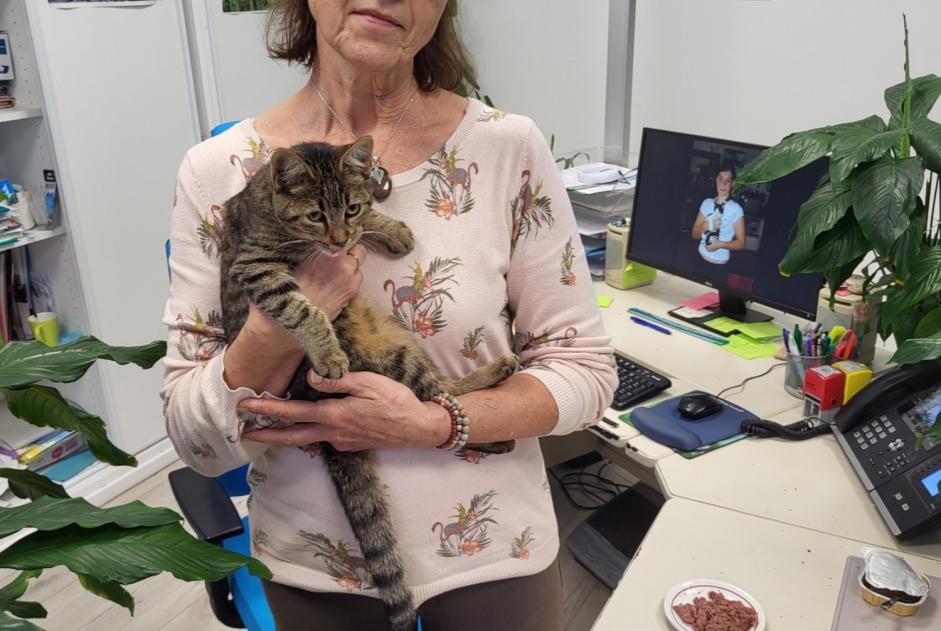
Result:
pixel 291 35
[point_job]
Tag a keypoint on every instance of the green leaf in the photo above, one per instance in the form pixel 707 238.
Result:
pixel 835 247
pixel 856 145
pixel 925 91
pixel 24 363
pixel 926 138
pixel 52 513
pixel 127 555
pixel 884 194
pixel 917 349
pixel 30 485
pixel 820 213
pixel 929 324
pixel 108 590
pixel 837 275
pixel 924 281
pixel 45 407
pixel 9 623
pixel 11 592
pixel 785 157
pixel 906 248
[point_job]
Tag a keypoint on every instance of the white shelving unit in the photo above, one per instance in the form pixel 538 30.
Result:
pixel 63 122
pixel 19 113
pixel 33 236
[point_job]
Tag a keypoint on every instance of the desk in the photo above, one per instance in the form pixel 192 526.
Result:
pixel 793 572
pixel 808 484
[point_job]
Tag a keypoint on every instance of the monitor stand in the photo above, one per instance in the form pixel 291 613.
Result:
pixel 731 306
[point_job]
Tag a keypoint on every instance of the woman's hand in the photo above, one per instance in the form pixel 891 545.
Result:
pixel 264 355
pixel 378 413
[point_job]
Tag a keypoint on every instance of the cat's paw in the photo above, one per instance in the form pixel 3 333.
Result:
pixel 401 240
pixel 502 447
pixel 331 365
pixel 506 365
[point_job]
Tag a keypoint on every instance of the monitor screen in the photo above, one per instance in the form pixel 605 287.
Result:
pixel 686 222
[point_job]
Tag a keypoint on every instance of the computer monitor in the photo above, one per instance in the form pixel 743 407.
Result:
pixel 683 224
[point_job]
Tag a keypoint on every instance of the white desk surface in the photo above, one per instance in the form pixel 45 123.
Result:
pixel 807 483
pixel 794 573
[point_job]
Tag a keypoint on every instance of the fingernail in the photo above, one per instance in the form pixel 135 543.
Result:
pixel 313 378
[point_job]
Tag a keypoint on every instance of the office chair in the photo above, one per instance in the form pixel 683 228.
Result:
pixel 237 601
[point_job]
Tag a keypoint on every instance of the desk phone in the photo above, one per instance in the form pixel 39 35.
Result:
pixel 883 432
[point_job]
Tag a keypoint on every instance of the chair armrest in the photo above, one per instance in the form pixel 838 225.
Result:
pixel 205 505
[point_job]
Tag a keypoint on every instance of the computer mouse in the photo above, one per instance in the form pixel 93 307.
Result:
pixel 698 405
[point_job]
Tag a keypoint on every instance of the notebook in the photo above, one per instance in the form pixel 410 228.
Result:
pixel 855 614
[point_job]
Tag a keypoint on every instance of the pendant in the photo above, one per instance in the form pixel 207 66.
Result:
pixel 381 182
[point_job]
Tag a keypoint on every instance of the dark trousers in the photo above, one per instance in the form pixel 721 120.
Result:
pixel 529 603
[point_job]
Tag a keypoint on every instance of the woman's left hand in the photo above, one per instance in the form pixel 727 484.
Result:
pixel 378 413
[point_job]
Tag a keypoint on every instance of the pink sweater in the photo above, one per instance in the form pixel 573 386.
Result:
pixel 496 244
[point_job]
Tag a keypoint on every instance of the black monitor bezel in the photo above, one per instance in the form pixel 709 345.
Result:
pixel 723 287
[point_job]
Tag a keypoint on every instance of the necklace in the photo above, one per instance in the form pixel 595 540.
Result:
pixel 379 177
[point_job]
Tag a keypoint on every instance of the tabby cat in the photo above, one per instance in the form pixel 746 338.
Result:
pixel 309 200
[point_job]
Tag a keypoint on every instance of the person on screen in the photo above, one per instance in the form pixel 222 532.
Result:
pixel 720 225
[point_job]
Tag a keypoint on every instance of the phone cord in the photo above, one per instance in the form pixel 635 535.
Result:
pixel 801 430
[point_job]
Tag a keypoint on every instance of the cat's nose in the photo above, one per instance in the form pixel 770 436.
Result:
pixel 339 236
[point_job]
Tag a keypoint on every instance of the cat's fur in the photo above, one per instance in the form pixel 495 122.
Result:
pixel 310 200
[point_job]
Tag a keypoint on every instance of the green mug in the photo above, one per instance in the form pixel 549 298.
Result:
pixel 45 327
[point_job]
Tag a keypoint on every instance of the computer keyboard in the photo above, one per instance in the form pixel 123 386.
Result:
pixel 636 383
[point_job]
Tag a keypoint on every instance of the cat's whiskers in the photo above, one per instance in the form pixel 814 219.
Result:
pixel 287 243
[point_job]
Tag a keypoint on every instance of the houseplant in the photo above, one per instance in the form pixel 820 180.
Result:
pixel 878 207
pixel 105 547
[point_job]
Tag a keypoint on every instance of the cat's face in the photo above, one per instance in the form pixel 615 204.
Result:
pixel 321 193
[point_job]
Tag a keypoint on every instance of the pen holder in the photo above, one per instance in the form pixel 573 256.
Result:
pixel 796 368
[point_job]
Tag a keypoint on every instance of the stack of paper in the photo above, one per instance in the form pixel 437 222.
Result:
pixel 751 340
pixel 10 228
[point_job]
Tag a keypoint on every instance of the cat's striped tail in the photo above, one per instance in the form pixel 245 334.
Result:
pixel 361 494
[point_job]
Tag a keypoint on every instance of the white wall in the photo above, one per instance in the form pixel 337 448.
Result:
pixel 545 59
pixel 234 76
pixel 756 70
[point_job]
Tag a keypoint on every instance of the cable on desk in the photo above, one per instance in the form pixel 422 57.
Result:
pixel 801 430
pixel 742 383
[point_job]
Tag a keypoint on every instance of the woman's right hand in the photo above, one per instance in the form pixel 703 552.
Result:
pixel 265 355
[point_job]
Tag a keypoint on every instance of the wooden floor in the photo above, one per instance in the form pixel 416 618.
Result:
pixel 164 603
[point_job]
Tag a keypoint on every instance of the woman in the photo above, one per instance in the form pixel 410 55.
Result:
pixel 720 224
pixel 496 243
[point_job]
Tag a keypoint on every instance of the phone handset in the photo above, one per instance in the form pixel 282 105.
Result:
pixel 886 390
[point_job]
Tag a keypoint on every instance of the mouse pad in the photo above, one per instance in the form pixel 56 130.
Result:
pixel 664 424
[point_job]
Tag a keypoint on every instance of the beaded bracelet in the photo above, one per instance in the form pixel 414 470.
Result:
pixel 460 424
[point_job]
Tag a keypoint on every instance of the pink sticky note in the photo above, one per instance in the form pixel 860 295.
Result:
pixel 708 299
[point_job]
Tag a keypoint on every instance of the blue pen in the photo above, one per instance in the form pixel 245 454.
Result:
pixel 787 344
pixel 807 346
pixel 651 325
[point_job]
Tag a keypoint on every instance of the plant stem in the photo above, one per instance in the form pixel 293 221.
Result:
pixel 907 102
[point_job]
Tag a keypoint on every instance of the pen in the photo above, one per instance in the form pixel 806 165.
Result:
pixel 650 325
pixel 787 344
pixel 797 338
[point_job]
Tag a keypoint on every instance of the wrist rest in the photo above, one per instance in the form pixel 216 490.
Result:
pixel 664 424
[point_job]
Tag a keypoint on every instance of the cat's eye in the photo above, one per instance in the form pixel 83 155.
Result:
pixel 314 216
pixel 353 209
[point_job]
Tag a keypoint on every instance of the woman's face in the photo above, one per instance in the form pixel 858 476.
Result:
pixel 724 183
pixel 376 34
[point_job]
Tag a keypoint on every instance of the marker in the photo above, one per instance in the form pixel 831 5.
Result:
pixel 797 339
pixel 650 325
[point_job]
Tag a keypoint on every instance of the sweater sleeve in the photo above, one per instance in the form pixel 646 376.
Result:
pixel 200 409
pixel 558 331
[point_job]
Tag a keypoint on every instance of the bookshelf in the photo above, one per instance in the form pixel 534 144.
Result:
pixel 26 150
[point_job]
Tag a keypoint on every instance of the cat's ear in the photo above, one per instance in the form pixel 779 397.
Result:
pixel 357 157
pixel 288 171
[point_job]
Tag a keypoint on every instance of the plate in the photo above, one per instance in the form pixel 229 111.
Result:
pixel 685 592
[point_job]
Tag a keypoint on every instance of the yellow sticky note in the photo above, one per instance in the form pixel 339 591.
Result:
pixel 760 330
pixel 605 301
pixel 749 348
pixel 723 324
